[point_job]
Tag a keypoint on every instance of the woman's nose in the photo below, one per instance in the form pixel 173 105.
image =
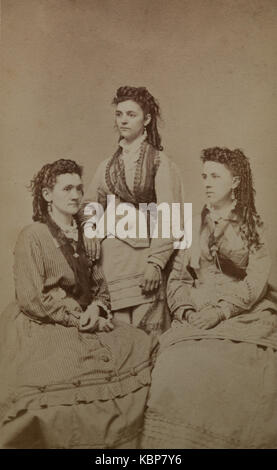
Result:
pixel 75 194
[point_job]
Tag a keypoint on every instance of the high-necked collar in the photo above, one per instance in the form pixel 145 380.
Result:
pixel 228 215
pixel 131 150
pixel 69 231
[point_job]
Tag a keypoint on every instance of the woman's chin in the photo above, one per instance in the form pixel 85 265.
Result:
pixel 73 210
pixel 210 200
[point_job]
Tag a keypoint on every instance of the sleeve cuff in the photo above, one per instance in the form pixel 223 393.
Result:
pixel 156 261
pixel 156 266
pixel 72 320
pixel 178 314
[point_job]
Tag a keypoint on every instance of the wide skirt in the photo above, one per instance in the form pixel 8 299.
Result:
pixel 64 389
pixel 212 393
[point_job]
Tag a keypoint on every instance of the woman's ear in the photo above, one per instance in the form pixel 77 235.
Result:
pixel 46 193
pixel 147 119
pixel 236 182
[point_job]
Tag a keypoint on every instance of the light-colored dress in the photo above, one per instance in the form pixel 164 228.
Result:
pixel 217 388
pixel 139 177
pixel 61 388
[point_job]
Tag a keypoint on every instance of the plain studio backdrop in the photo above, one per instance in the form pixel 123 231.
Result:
pixel 210 63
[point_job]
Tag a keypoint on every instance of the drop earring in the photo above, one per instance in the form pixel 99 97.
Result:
pixel 234 200
pixel 49 207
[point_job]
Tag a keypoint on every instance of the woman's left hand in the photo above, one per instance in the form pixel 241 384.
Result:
pixel 204 319
pixel 89 319
pixel 151 279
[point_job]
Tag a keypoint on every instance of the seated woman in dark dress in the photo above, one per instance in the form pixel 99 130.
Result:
pixel 214 384
pixel 70 377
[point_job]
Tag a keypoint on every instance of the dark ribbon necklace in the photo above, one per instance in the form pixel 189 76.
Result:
pixel 75 255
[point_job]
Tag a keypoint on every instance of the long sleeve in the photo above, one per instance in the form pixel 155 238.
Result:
pixel 96 192
pixel 168 189
pixel 29 273
pixel 100 290
pixel 244 294
pixel 179 285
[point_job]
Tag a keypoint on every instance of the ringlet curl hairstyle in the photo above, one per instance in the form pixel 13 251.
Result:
pixel 148 104
pixel 46 178
pixel 239 165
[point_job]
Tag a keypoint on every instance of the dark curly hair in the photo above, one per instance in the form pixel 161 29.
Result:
pixel 239 165
pixel 148 104
pixel 46 178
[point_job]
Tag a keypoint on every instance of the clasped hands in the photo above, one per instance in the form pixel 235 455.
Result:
pixel 203 319
pixel 91 320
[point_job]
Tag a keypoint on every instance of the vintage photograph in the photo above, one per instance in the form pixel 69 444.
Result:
pixel 138 235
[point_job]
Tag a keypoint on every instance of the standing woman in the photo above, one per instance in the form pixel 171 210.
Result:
pixel 70 377
pixel 138 172
pixel 214 384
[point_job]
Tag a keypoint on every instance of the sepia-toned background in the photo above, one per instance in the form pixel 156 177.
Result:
pixel 210 63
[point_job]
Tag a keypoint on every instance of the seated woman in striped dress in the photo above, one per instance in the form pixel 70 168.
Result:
pixel 71 377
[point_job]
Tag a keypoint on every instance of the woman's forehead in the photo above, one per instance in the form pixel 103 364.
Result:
pixel 128 105
pixel 215 167
pixel 68 178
